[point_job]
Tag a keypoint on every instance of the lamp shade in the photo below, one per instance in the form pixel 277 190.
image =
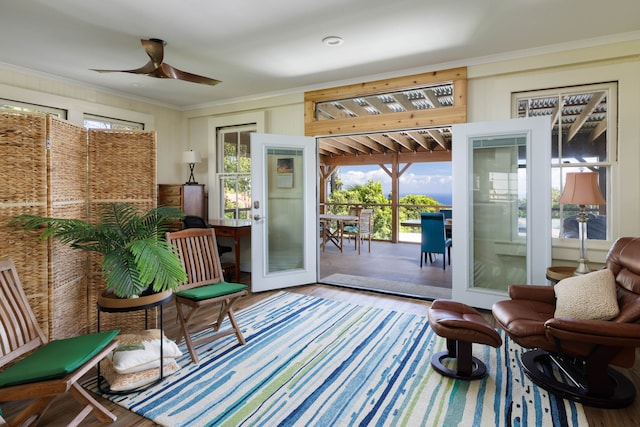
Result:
pixel 581 188
pixel 191 157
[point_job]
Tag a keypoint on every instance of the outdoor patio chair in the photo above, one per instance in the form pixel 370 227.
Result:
pixel 434 240
pixel 360 230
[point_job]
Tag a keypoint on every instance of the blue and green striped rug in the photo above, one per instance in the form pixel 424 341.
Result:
pixel 310 361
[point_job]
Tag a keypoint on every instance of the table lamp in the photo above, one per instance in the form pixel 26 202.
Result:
pixel 581 188
pixel 191 158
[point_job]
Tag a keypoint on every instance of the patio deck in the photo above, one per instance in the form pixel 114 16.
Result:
pixel 389 267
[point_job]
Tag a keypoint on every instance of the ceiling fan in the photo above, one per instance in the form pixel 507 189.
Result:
pixel 157 68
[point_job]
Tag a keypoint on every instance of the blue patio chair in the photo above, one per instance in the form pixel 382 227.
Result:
pixel 434 240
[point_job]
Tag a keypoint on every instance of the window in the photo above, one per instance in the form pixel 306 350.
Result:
pixel 99 122
pixel 235 171
pixel 32 108
pixel 437 95
pixel 582 140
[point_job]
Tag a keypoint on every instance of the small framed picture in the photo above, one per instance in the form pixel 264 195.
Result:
pixel 285 172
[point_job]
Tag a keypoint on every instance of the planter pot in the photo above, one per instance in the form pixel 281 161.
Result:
pixel 107 300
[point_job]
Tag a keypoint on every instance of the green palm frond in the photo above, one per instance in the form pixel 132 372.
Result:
pixel 158 264
pixel 121 274
pixel 136 254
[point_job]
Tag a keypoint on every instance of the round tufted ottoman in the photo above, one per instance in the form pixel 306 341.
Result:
pixel 462 326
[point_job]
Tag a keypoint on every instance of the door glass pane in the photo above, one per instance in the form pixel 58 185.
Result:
pixel 284 210
pixel 499 212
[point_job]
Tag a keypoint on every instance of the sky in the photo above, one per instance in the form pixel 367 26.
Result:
pixel 419 178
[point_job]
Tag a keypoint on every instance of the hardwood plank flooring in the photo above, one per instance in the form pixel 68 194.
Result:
pixel 63 407
pixel 396 262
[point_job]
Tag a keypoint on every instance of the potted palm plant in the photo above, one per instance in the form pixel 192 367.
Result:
pixel 137 257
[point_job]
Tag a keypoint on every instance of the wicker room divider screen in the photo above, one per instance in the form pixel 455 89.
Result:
pixel 55 168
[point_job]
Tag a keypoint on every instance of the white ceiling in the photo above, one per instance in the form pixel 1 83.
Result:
pixel 264 47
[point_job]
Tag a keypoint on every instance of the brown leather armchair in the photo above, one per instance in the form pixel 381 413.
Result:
pixel 580 350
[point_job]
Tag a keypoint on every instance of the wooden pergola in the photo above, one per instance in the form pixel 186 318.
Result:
pixel 391 123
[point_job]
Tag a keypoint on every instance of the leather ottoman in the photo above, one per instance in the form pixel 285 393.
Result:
pixel 462 326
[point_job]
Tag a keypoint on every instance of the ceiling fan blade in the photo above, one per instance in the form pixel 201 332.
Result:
pixel 147 68
pixel 168 71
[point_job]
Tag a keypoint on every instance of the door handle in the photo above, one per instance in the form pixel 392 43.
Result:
pixel 257 217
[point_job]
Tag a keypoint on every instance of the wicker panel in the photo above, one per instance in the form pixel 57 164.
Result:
pixel 24 191
pixel 67 199
pixel 23 150
pixel 68 162
pixel 122 168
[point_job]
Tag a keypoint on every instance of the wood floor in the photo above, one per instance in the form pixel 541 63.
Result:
pixel 63 407
pixel 397 262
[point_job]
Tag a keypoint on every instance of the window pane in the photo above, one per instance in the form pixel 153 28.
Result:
pixel 32 108
pixel 234 171
pixel 431 96
pixel 99 122
pixel 584 128
pixel 568 214
pixel 580 141
pixel 236 197
pixel 245 152
pixel 230 144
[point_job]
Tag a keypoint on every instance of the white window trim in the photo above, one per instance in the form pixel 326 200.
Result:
pixel 258 118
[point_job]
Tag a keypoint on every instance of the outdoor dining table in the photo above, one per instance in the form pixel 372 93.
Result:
pixel 336 236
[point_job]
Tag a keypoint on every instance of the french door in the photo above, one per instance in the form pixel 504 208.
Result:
pixel 502 207
pixel 283 211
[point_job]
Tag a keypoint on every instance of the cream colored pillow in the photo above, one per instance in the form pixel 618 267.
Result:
pixel 590 296
pixel 125 382
pixel 141 351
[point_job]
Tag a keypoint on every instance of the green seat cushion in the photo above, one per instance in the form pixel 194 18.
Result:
pixel 56 359
pixel 211 291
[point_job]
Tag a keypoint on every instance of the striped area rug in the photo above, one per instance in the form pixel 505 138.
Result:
pixel 310 361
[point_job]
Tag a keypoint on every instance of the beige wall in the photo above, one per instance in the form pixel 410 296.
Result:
pixel 489 96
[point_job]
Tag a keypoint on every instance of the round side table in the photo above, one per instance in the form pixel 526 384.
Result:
pixel 555 274
pixel 109 304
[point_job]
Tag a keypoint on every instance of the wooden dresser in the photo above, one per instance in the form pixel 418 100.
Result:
pixel 189 199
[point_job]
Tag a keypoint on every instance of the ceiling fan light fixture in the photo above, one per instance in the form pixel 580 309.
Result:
pixel 332 41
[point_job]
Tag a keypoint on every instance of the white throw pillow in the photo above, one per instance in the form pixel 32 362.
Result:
pixel 125 382
pixel 137 352
pixel 590 296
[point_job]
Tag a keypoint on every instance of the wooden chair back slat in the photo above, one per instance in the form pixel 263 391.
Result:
pixel 19 329
pixel 198 250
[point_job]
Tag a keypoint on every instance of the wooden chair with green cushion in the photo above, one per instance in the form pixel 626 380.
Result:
pixel 35 368
pixel 205 287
